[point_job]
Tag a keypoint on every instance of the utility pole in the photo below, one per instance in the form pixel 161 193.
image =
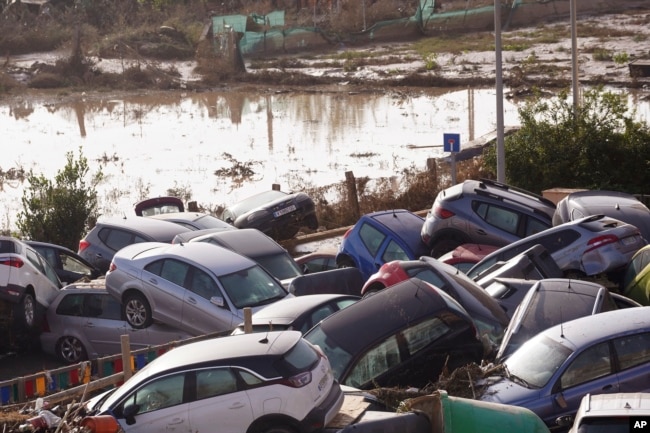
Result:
pixel 574 58
pixel 501 157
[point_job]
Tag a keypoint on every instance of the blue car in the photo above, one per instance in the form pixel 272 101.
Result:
pixel 381 237
pixel 603 353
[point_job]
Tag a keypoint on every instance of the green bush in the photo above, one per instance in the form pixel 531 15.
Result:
pixel 599 145
pixel 60 212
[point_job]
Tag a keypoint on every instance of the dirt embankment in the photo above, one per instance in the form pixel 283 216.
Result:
pixel 539 55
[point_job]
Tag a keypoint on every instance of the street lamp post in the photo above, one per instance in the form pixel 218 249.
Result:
pixel 501 157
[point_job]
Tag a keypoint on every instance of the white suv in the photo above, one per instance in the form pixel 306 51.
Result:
pixel 27 281
pixel 609 413
pixel 273 382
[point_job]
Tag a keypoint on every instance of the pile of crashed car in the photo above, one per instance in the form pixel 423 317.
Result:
pixel 555 295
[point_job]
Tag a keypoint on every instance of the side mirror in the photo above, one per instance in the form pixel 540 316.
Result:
pixel 129 413
pixel 218 301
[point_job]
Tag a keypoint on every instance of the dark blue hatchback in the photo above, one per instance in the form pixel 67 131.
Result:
pixel 381 237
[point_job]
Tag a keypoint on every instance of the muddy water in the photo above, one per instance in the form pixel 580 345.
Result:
pixel 199 143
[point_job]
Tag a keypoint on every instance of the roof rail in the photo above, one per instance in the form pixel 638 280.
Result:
pixel 503 186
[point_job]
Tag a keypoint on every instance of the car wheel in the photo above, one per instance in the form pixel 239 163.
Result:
pixel 27 312
pixel 311 222
pixel 137 311
pixel 70 349
pixel 444 246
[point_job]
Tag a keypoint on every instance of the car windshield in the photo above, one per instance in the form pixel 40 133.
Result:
pixel 339 358
pixel 252 287
pixel 536 361
pixel 280 265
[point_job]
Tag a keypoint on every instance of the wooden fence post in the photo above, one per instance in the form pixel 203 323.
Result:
pixel 353 200
pixel 126 357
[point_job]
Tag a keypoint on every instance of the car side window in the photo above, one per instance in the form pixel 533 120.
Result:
pixel 117 239
pixel 632 350
pixel 557 240
pixel 202 284
pixel 214 382
pixel 375 362
pixel 591 364
pixel 371 238
pixel 394 252
pixel 70 305
pixel 171 270
pixel 161 393
pixel 533 225
pixel 502 218
pixel 419 336
pixel 316 317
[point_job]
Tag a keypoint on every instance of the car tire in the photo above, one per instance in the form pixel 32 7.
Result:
pixel 27 313
pixel 70 349
pixel 137 311
pixel 445 245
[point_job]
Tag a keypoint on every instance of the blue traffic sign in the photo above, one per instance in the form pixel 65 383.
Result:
pixel 451 142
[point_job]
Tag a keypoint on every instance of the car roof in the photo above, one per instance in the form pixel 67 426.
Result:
pixel 163 231
pixel 49 245
pixel 516 196
pixel 217 259
pixel 381 314
pixel 615 204
pixel 256 200
pixel 248 241
pixel 616 404
pixel 602 326
pixel 224 348
pixel 286 310
pixel 402 222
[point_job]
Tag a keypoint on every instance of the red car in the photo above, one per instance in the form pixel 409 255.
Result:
pixel 465 256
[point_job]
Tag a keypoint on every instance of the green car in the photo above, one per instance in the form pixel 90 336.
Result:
pixel 636 282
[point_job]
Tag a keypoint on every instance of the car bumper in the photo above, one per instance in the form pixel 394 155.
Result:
pixel 324 413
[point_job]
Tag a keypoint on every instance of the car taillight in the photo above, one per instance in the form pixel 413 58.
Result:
pixel 112 267
pixel 442 213
pixel 83 244
pixel 601 241
pixel 298 381
pixel 347 233
pixel 14 262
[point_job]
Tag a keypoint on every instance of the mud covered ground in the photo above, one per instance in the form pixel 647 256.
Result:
pixel 538 56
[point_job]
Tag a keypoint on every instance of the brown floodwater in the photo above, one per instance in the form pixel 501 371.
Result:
pixel 202 143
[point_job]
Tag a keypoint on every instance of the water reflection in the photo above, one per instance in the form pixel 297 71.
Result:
pixel 149 143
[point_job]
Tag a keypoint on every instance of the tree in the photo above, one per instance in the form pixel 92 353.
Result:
pixel 598 146
pixel 60 212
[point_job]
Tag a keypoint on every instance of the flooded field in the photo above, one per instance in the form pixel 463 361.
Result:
pixel 198 142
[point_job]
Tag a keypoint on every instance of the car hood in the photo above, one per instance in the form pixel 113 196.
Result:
pixel 505 391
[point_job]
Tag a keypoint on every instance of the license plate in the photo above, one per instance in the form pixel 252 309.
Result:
pixel 323 382
pixel 284 211
pixel 629 240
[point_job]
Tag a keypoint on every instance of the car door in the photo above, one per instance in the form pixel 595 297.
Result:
pixel 163 282
pixel 102 325
pixel 205 309
pixel 46 282
pixel 633 361
pixel 221 402
pixel 157 406
pixel 590 371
